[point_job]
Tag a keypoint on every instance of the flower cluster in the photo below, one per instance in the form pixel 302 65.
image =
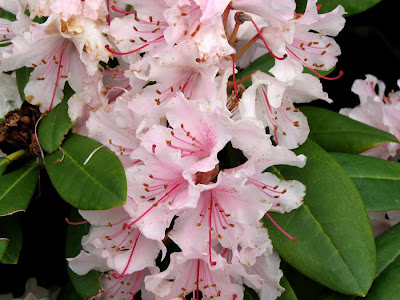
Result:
pixel 156 82
pixel 377 110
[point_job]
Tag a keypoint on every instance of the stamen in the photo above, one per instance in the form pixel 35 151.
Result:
pixel 234 77
pixel 76 223
pixel 36 136
pixel 123 11
pixel 125 53
pixel 265 43
pixel 280 228
pixel 324 77
pixel 62 158
pixel 91 154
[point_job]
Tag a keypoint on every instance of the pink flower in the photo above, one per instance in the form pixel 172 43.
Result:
pixel 377 110
pixel 271 101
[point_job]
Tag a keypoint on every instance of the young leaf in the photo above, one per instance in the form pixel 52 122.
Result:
pixel 335 245
pixel 250 294
pixel 87 175
pixel 89 284
pixel 22 75
pixel 377 180
pixel 337 133
pixel 3 164
pixel 53 127
pixel 288 294
pixel 386 285
pixel 352 7
pixel 16 188
pixel 10 229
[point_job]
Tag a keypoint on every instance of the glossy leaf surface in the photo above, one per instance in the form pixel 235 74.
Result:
pixel 337 133
pixel 335 245
pixel 98 184
pixel 10 229
pixel 16 188
pixel 22 75
pixel 377 180
pixel 288 294
pixel 386 285
pixel 53 127
pixel 86 285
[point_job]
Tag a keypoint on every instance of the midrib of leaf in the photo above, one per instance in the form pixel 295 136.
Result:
pixel 334 245
pixel 88 174
pixel 323 231
pixel 17 181
pixel 388 264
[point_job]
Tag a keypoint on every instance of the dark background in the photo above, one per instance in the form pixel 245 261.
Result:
pixel 370 45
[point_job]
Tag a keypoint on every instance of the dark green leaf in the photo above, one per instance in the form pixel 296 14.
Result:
pixel 288 294
pixel 10 229
pixel 5 161
pixel 302 286
pixel 4 14
pixel 100 184
pixel 386 285
pixel 3 164
pixel 337 133
pixel 68 92
pixel 68 293
pixel 265 63
pixel 53 127
pixel 89 284
pixel 3 246
pixel 352 7
pixel 16 188
pixel 250 294
pixel 335 245
pixel 22 75
pixel 377 180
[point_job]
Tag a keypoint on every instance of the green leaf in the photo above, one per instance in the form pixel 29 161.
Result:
pixel 4 14
pixel 337 133
pixel 68 293
pixel 68 92
pixel 335 245
pixel 288 294
pixel 100 184
pixel 386 285
pixel 250 294
pixel 5 161
pixel 377 180
pixel 302 286
pixel 16 188
pixel 352 7
pixel 10 229
pixel 265 63
pixel 89 284
pixel 387 269
pixel 3 164
pixel 53 127
pixel 3 246
pixel 22 75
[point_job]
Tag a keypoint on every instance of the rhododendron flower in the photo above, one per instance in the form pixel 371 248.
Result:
pixel 191 274
pixel 377 110
pixel 271 101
